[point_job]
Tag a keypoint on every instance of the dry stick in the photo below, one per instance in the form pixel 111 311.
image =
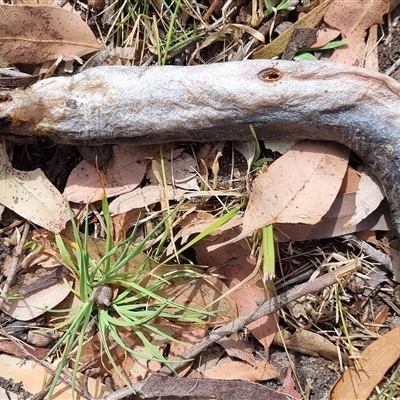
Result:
pixel 267 307
pixel 383 259
pixel 15 263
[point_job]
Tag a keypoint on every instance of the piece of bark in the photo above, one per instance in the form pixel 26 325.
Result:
pixel 282 99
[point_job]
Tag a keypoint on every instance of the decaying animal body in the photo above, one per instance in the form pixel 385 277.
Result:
pixel 281 99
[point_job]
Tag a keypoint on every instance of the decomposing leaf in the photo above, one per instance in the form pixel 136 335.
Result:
pixel 200 294
pixel 307 342
pixel 125 173
pixel 239 349
pixel 186 335
pixel 92 353
pixel 31 195
pixel 376 359
pixel 142 198
pixel 368 197
pixel 229 28
pixel 34 34
pixel 371 51
pixel 179 172
pixel 260 370
pixel 15 349
pixel 353 18
pixel 325 35
pixel 286 191
pixel 236 268
pixel 342 209
pixel 33 376
pixel 37 303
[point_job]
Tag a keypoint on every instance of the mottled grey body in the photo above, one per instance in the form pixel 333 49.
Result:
pixel 282 99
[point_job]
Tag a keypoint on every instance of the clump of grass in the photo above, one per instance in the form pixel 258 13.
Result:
pixel 114 298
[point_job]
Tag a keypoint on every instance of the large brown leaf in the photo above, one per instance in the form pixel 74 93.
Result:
pixel 34 34
pixel 376 359
pixel 353 18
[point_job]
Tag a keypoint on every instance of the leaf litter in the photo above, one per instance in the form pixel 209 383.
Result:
pixel 242 257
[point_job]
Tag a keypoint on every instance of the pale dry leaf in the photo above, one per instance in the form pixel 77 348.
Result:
pixel 31 195
pixel 368 198
pixel 243 350
pixel 298 187
pixel 125 173
pixel 143 198
pixel 342 209
pixel 33 376
pixel 371 52
pixel 23 40
pixel 279 146
pixel 376 359
pixel 260 370
pixel 353 18
pixel 307 342
pixel 200 293
pixel 331 225
pixel 36 303
pixel 325 35
pixel 247 149
pixel 180 172
pixel 201 224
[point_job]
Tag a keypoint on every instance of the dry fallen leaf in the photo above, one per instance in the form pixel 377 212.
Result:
pixel 243 350
pixel 31 195
pixel 371 51
pixel 260 370
pixel 33 377
pixel 199 294
pixel 353 18
pixel 37 303
pixel 234 264
pixel 342 209
pixel 307 342
pixel 34 34
pixel 376 359
pixel 298 187
pixel 325 35
pixel 180 172
pixel 125 173
pixel 368 197
pixel 143 198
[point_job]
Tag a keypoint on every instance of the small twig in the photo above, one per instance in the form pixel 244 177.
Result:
pixel 15 263
pixel 370 251
pixel 393 68
pixel 269 306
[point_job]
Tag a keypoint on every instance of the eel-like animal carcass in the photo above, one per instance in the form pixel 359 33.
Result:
pixel 281 99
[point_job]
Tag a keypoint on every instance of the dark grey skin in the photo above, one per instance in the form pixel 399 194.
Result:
pixel 281 99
